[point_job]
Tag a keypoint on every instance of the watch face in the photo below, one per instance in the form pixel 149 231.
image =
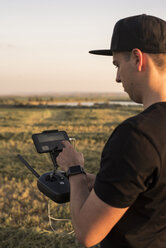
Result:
pixel 75 169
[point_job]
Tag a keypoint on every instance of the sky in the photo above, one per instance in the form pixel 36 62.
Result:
pixel 44 44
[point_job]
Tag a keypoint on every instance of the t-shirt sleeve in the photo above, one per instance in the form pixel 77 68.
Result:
pixel 128 164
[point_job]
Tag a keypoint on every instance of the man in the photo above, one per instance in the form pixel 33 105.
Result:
pixel 126 207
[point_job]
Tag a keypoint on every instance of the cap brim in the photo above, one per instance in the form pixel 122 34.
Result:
pixel 106 52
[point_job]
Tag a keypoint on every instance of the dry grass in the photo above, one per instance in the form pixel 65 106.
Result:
pixel 24 216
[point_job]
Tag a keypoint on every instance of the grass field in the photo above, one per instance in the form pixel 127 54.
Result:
pixel 24 210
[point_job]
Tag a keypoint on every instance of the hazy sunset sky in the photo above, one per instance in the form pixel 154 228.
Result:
pixel 44 44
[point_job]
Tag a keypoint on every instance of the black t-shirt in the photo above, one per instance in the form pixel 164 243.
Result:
pixel 133 174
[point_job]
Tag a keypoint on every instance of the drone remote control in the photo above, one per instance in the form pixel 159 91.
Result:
pixel 54 184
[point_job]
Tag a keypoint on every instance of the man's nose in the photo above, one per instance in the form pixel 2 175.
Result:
pixel 118 80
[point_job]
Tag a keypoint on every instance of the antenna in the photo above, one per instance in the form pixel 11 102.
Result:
pixel 28 166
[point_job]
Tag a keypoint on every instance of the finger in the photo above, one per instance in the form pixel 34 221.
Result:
pixel 66 143
pixel 81 154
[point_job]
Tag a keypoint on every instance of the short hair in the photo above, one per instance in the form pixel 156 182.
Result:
pixel 159 59
pixel 126 55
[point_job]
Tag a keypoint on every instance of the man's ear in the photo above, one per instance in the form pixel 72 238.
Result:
pixel 137 58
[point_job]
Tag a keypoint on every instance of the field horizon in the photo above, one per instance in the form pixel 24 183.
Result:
pixel 70 94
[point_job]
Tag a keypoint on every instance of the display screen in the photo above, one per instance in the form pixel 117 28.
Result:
pixel 50 137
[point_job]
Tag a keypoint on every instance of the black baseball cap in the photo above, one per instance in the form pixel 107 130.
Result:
pixel 145 32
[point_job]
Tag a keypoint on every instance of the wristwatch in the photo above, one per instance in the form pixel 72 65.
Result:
pixel 74 170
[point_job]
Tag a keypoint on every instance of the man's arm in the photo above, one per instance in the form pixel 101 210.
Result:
pixel 92 218
pixel 90 180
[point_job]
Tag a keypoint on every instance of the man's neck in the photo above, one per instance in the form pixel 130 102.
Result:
pixel 155 90
pixel 154 96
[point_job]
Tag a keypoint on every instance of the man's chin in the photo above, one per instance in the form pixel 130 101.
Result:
pixel 139 101
pixel 134 98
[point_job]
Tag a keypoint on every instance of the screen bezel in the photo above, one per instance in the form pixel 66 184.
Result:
pixel 58 145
